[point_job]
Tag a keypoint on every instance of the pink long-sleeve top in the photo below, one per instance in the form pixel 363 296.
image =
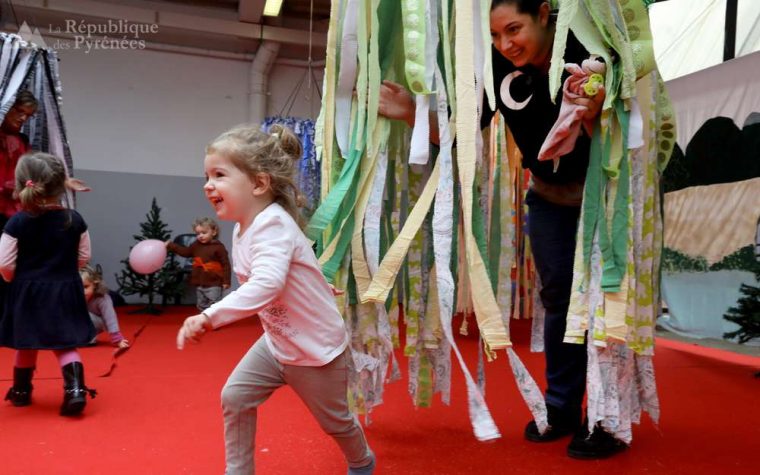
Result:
pixel 281 281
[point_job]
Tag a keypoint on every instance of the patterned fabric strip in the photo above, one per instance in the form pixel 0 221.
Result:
pixel 482 422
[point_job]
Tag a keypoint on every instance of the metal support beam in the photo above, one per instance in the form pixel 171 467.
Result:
pixel 729 40
pixel 250 11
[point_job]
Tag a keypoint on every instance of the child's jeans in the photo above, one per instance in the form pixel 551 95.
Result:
pixel 207 296
pixel 322 388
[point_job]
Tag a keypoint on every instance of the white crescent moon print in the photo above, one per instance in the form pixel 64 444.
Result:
pixel 506 97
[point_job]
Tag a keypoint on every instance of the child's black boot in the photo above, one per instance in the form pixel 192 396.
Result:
pixel 74 389
pixel 20 394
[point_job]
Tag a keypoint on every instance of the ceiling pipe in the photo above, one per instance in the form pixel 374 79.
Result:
pixel 259 81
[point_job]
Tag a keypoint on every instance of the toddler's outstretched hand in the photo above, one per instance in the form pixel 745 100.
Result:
pixel 192 330
pixel 123 344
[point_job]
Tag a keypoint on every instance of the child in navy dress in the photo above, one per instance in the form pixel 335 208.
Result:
pixel 44 308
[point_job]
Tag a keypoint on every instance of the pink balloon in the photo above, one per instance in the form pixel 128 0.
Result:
pixel 147 256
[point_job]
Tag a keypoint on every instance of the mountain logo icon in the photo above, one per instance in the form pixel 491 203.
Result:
pixel 30 36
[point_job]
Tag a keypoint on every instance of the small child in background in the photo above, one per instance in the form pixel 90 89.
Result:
pixel 250 180
pixel 41 250
pixel 100 306
pixel 211 263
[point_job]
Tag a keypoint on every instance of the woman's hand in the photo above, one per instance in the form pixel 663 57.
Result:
pixel 593 105
pixel 193 329
pixel 75 184
pixel 396 103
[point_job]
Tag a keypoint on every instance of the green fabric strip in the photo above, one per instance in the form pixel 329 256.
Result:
pixel 494 237
pixel 592 195
pixel 616 260
pixel 388 14
pixel 351 292
pixel 424 382
pixel 415 31
pixel 328 211
pixel 479 228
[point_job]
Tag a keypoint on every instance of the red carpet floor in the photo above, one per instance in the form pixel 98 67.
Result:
pixel 158 413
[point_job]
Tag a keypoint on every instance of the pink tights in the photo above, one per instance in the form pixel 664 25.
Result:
pixel 28 358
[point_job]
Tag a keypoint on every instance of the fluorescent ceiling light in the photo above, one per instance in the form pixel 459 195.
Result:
pixel 272 7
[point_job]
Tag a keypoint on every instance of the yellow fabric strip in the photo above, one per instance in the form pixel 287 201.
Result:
pixel 377 131
pixel 614 313
pixel 383 280
pixel 369 168
pixel 487 311
pixel 431 331
pixel 326 121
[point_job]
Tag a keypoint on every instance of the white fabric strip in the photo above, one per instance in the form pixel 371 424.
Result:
pixel 419 149
pixel 635 126
pixel 347 78
pixel 482 422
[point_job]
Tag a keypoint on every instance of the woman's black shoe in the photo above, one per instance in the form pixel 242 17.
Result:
pixel 561 424
pixel 20 394
pixel 599 445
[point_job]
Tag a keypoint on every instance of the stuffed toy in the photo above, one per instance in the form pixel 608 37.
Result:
pixel 584 81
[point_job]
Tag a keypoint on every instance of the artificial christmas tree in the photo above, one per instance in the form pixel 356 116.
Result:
pixel 746 314
pixel 165 282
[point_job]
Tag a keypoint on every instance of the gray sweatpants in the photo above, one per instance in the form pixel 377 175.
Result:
pixel 323 389
pixel 207 296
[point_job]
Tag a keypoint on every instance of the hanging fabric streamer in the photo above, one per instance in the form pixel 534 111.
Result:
pixel 24 65
pixel 415 239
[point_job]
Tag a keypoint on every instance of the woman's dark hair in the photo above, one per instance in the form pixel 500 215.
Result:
pixel 529 7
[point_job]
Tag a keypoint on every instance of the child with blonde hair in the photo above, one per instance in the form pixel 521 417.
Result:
pixel 100 306
pixel 41 250
pixel 211 263
pixel 250 180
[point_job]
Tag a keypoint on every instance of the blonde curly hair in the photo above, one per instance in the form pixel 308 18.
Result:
pixel 275 153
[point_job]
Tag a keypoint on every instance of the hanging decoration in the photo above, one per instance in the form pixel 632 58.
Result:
pixel 309 173
pixel 415 233
pixel 25 65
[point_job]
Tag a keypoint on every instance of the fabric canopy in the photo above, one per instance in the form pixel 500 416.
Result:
pixel 689 34
pixel 730 89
